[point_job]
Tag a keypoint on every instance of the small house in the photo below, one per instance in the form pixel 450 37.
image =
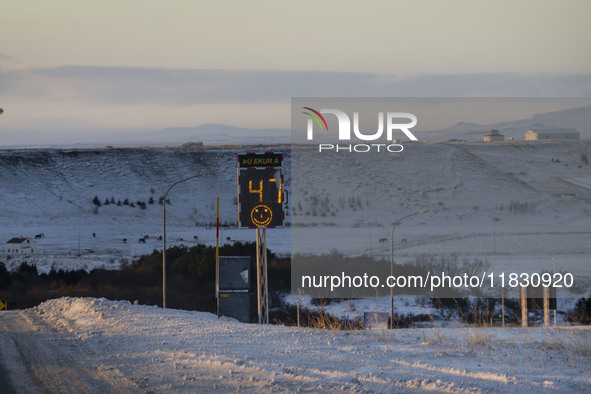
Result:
pixel 493 136
pixel 20 246
pixel 541 132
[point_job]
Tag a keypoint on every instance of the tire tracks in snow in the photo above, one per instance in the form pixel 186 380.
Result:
pixel 38 359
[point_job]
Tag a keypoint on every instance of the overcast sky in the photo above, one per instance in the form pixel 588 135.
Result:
pixel 94 67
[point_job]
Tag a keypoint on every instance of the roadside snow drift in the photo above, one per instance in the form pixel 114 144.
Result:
pixel 144 348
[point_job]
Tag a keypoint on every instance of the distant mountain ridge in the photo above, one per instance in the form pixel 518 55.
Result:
pixel 211 134
pixel 220 134
pixel 577 118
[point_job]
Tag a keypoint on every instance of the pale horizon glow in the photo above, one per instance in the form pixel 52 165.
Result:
pixel 121 64
pixel 409 37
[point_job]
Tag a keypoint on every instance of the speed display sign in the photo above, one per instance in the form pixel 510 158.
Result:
pixel 260 191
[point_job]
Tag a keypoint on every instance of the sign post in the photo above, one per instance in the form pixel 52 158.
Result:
pixel 217 257
pixel 262 285
pixel 260 206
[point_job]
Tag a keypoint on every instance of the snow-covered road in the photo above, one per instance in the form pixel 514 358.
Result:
pixel 38 359
pixel 97 345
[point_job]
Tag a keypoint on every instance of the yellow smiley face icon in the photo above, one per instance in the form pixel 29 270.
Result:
pixel 261 215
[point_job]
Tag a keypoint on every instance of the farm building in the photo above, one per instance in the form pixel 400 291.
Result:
pixel 537 133
pixel 493 136
pixel 20 246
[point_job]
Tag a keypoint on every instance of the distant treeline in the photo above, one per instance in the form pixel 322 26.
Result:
pixel 190 279
pixel 191 286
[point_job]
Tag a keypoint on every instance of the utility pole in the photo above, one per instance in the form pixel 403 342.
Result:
pixel 392 261
pixel 164 235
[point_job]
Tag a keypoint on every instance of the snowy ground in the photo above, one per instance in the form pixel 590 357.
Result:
pixel 107 250
pixel 353 310
pixel 519 207
pixel 73 345
pixel 50 192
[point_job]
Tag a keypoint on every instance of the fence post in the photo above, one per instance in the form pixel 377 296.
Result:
pixel 546 306
pixel 523 302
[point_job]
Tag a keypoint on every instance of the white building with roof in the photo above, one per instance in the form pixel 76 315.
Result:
pixel 541 132
pixel 20 246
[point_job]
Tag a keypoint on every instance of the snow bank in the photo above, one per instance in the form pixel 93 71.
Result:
pixel 181 351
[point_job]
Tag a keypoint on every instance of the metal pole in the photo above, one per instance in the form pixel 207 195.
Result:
pixel 392 261
pixel 556 301
pixel 164 236
pixel 503 307
pixel 258 275
pixel 164 250
pixel 392 274
pixel 265 273
pixel 217 257
pixel 262 285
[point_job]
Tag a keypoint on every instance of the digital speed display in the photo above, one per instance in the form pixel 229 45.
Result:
pixel 260 197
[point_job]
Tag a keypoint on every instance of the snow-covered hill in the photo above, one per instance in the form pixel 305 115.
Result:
pixel 51 192
pixel 73 344
pixel 516 205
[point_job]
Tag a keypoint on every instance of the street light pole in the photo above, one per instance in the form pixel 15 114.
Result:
pixel 164 236
pixel 396 223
